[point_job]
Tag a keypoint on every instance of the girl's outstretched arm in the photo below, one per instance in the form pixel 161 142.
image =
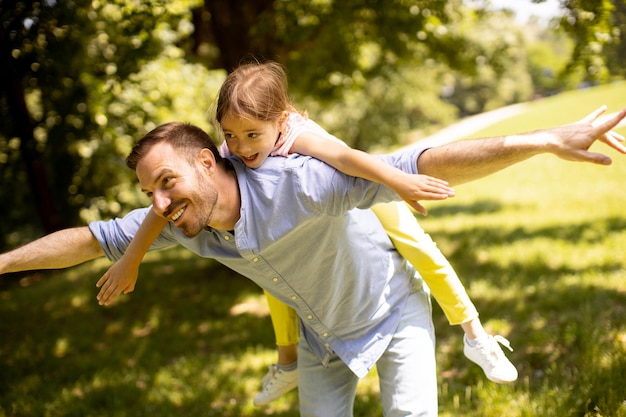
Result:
pixel 122 275
pixel 360 164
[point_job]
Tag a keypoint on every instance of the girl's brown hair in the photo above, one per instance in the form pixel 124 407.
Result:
pixel 258 91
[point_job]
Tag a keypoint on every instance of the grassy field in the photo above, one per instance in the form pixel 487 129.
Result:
pixel 540 247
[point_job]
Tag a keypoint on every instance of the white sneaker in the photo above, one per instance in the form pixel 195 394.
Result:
pixel 487 354
pixel 275 384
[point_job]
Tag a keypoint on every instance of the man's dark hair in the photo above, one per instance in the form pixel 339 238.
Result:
pixel 185 138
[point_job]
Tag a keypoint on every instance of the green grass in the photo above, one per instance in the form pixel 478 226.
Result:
pixel 540 247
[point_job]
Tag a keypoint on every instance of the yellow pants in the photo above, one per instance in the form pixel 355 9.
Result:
pixel 415 246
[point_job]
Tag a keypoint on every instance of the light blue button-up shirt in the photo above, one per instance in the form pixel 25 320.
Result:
pixel 304 235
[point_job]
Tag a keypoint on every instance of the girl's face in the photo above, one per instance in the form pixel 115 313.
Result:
pixel 250 140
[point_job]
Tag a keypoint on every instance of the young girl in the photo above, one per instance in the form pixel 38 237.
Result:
pixel 258 120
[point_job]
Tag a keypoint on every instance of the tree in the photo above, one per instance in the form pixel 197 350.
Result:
pixel 589 24
pixel 616 50
pixel 63 68
pixel 81 80
pixel 334 50
pixel 27 35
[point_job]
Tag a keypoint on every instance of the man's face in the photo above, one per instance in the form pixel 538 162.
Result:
pixel 182 193
pixel 250 140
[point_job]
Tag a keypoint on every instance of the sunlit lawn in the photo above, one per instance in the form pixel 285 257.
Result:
pixel 540 247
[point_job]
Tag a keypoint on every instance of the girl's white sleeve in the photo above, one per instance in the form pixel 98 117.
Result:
pixel 296 125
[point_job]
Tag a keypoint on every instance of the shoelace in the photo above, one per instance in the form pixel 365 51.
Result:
pixel 269 377
pixel 503 341
pixel 493 355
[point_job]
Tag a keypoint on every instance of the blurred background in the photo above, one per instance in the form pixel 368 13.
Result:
pixel 82 80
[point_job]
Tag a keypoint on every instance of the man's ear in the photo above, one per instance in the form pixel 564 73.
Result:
pixel 206 158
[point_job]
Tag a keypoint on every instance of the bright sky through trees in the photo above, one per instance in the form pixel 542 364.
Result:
pixel 524 9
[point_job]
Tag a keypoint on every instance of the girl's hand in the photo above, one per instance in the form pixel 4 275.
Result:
pixel 414 187
pixel 120 278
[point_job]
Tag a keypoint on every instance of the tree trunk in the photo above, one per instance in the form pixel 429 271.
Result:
pixel 230 22
pixel 11 84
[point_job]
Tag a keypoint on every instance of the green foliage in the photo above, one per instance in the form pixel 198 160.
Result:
pixel 86 74
pixel 43 108
pixel 589 23
pixel 84 79
pixel 616 50
pixel 143 80
pixel 500 74
pixel 375 115
pixel 548 54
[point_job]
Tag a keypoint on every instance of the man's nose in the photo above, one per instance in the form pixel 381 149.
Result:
pixel 160 202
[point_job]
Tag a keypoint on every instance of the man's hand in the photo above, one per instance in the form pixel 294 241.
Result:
pixel 572 142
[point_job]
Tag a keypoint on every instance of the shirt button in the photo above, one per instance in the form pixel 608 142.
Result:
pixel 275 279
pixel 325 334
pixel 255 259
pixel 310 317
pixel 226 237
pixel 293 297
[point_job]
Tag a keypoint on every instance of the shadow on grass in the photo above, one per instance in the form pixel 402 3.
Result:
pixel 568 335
pixel 175 348
pixel 478 207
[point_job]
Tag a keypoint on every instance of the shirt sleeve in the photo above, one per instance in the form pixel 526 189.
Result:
pixel 296 125
pixel 115 235
pixel 327 190
pixel 224 150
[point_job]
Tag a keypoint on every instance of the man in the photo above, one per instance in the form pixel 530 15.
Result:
pixel 291 226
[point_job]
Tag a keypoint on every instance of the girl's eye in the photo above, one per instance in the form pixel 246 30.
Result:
pixel 253 135
pixel 228 136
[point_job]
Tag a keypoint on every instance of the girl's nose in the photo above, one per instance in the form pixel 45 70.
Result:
pixel 243 149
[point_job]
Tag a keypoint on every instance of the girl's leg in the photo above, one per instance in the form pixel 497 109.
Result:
pixel 287 354
pixel 282 377
pixel 474 329
pixel 421 251
pixel 417 247
pixel 285 323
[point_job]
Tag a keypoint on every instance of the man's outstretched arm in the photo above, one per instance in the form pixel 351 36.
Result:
pixel 57 250
pixel 469 160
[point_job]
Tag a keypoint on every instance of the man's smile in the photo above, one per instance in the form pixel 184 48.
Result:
pixel 177 214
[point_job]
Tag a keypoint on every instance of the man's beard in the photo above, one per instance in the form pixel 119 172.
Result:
pixel 205 205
